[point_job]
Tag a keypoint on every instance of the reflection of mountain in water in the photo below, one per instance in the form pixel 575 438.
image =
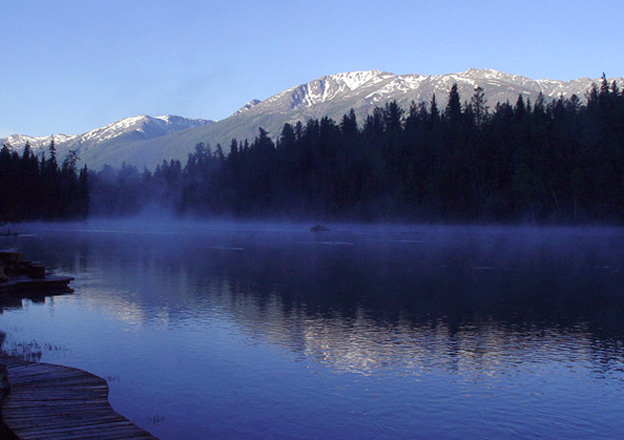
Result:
pixel 481 298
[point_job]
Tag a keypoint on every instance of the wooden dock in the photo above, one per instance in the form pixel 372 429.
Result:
pixel 53 402
pixel 21 285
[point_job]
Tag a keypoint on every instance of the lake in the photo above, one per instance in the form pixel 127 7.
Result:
pixel 271 331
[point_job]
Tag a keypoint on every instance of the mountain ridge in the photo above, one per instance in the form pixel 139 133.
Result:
pixel 330 95
pixel 140 127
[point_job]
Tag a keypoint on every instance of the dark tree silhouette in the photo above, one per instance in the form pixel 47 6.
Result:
pixel 546 162
pixel 33 189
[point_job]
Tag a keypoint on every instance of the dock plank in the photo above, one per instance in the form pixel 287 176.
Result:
pixel 53 402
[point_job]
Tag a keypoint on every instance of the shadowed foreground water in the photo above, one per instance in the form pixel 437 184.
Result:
pixel 273 332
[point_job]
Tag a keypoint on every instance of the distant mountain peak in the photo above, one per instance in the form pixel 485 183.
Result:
pixel 133 128
pixel 482 73
pixel 247 106
pixel 37 142
pixel 354 80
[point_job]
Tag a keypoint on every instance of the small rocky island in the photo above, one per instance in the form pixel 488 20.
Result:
pixel 319 228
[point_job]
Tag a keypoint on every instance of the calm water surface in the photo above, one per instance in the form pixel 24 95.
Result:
pixel 210 331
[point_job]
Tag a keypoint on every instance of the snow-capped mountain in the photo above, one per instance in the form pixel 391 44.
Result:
pixel 143 127
pixel 147 141
pixel 135 128
pixel 367 89
pixel 37 142
pixel 335 95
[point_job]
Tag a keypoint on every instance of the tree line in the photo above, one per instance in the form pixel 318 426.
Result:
pixel 543 162
pixel 39 188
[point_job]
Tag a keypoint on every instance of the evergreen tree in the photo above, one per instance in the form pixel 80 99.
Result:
pixel 453 112
pixel 479 107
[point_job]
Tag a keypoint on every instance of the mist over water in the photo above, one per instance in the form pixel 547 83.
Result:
pixel 230 330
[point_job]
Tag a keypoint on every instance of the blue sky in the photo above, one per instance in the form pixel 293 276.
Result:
pixel 70 66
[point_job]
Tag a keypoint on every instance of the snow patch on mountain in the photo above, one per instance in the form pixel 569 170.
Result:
pixel 247 106
pixel 37 142
pixel 132 128
pixel 354 80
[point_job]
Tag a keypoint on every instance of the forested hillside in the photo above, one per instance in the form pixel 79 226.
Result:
pixel 39 188
pixel 547 162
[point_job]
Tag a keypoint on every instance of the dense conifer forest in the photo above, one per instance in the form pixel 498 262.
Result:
pixel 539 162
pixel 39 188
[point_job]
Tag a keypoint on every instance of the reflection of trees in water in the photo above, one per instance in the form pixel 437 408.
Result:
pixel 364 344
pixel 452 285
pixel 362 301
